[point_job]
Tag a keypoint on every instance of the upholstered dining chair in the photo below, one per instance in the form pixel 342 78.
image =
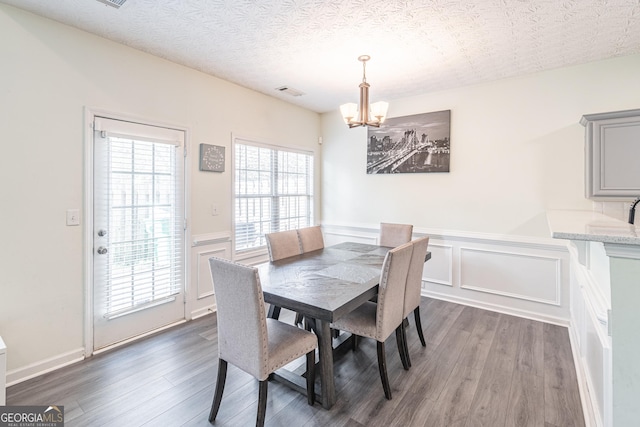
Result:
pixel 283 244
pixel 412 290
pixel 248 339
pixel 378 321
pixel 393 235
pixel 310 238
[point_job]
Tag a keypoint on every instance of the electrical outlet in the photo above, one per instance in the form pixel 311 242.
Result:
pixel 73 216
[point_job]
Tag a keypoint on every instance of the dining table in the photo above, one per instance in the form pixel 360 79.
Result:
pixel 322 286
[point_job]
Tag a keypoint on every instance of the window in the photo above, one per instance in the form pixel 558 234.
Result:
pixel 145 230
pixel 273 191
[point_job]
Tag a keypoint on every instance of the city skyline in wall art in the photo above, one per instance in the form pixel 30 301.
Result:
pixel 419 143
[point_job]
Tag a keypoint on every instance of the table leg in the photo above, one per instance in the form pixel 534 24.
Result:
pixel 325 356
pixel 327 392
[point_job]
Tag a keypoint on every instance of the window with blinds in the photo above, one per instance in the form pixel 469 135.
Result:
pixel 273 191
pixel 141 217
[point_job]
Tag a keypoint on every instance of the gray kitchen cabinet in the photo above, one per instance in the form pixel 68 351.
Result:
pixel 612 154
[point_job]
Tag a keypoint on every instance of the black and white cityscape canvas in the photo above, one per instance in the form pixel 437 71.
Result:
pixel 411 144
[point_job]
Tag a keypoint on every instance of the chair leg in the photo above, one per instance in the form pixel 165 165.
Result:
pixel 274 312
pixel 311 377
pixel 355 340
pixel 217 397
pixel 406 344
pixel 298 320
pixel 313 325
pixel 382 367
pixel 402 348
pixel 416 315
pixel 262 403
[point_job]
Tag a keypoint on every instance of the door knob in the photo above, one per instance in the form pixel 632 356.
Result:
pixel 102 250
pixel 102 233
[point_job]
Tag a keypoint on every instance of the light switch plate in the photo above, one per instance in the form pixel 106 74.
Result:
pixel 73 216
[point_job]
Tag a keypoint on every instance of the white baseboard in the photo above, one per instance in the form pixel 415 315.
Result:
pixel 42 367
pixel 204 311
pixel 560 321
pixel 60 361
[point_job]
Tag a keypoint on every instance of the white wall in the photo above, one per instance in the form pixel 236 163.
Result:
pixel 48 74
pixel 517 150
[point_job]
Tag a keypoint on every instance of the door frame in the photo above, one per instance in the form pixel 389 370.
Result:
pixel 89 115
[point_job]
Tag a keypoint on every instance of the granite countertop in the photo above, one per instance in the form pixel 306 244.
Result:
pixel 591 226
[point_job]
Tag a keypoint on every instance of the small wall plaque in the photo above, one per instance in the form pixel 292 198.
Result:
pixel 211 158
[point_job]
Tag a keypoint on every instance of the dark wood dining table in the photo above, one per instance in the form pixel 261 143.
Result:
pixel 323 286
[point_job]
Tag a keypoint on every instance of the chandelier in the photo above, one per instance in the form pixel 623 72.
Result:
pixel 365 114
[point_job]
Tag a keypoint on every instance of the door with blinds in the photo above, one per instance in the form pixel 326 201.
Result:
pixel 139 228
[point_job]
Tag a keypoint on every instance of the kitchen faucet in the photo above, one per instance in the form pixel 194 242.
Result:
pixel 632 211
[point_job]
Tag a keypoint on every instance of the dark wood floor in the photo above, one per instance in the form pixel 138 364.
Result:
pixel 479 369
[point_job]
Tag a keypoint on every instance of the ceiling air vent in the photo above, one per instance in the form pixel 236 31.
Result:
pixel 289 90
pixel 113 3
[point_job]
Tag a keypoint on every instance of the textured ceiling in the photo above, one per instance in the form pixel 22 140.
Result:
pixel 416 47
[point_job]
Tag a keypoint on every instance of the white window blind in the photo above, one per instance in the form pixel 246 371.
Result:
pixel 273 191
pixel 141 190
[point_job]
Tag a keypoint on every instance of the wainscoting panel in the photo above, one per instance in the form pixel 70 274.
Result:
pixel 501 273
pixel 204 284
pixel 201 294
pixel 335 235
pixel 439 269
